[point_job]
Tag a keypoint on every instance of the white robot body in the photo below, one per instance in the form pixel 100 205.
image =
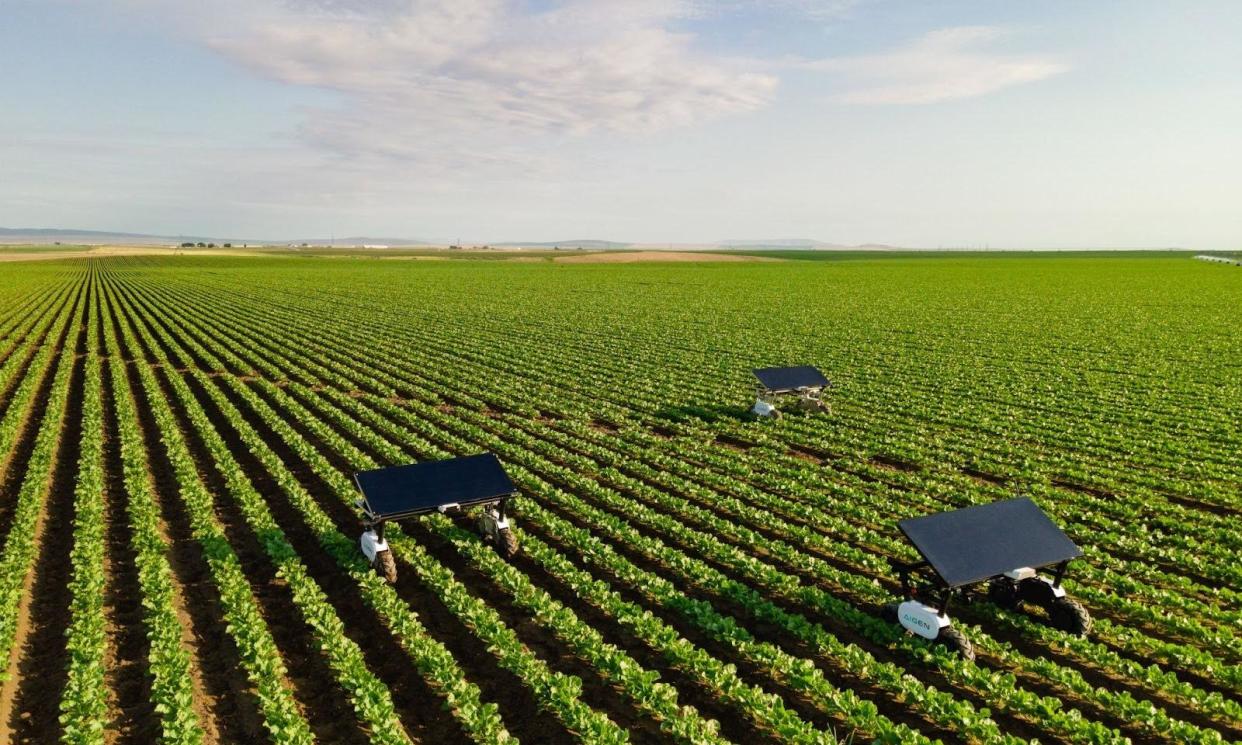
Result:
pixel 372 544
pixel 921 619
pixel 763 408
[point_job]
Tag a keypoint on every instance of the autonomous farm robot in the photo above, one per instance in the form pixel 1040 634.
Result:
pixel 443 486
pixel 805 382
pixel 1004 544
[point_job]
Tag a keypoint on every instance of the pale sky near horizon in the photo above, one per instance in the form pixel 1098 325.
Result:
pixel 1050 124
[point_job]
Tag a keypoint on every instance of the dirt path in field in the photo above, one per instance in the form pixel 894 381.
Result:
pixel 644 257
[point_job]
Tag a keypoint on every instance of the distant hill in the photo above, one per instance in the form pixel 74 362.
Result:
pixel 776 243
pixel 803 244
pixel 580 243
pixel 355 240
pixel 73 235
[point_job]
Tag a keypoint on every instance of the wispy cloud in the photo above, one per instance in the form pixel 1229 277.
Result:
pixel 815 10
pixel 500 86
pixel 455 82
pixel 943 65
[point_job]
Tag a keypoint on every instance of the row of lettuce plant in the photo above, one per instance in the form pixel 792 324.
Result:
pixel 26 331
pixel 370 697
pixel 866 557
pixel 566 625
pixel 683 721
pixel 480 719
pixel 1150 676
pixel 657 699
pixel 1165 678
pixel 1106 579
pixel 753 702
pixel 866 560
pixel 21 311
pixel 21 543
pixel 169 662
pixel 259 655
pixel 84 701
pixel 53 333
pixel 1068 674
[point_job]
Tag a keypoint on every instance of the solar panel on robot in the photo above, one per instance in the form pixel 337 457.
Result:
pixel 1004 544
pixel 804 381
pixel 452 485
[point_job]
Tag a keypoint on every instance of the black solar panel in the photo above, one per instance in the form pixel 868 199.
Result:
pixel 422 487
pixel 973 544
pixel 781 379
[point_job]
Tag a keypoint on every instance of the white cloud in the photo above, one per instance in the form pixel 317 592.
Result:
pixel 451 83
pixel 942 65
pixel 497 88
pixel 816 10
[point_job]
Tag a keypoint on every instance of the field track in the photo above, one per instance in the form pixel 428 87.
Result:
pixel 178 550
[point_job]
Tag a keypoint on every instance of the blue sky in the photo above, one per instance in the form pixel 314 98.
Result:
pixel 1051 124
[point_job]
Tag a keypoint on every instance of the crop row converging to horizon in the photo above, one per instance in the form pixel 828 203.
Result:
pixel 179 552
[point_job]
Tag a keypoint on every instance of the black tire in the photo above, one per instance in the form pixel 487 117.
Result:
pixel 1069 616
pixel 889 613
pixel 386 566
pixel 956 642
pixel 1005 593
pixel 507 546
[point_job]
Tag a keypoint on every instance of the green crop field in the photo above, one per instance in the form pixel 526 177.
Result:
pixel 179 556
